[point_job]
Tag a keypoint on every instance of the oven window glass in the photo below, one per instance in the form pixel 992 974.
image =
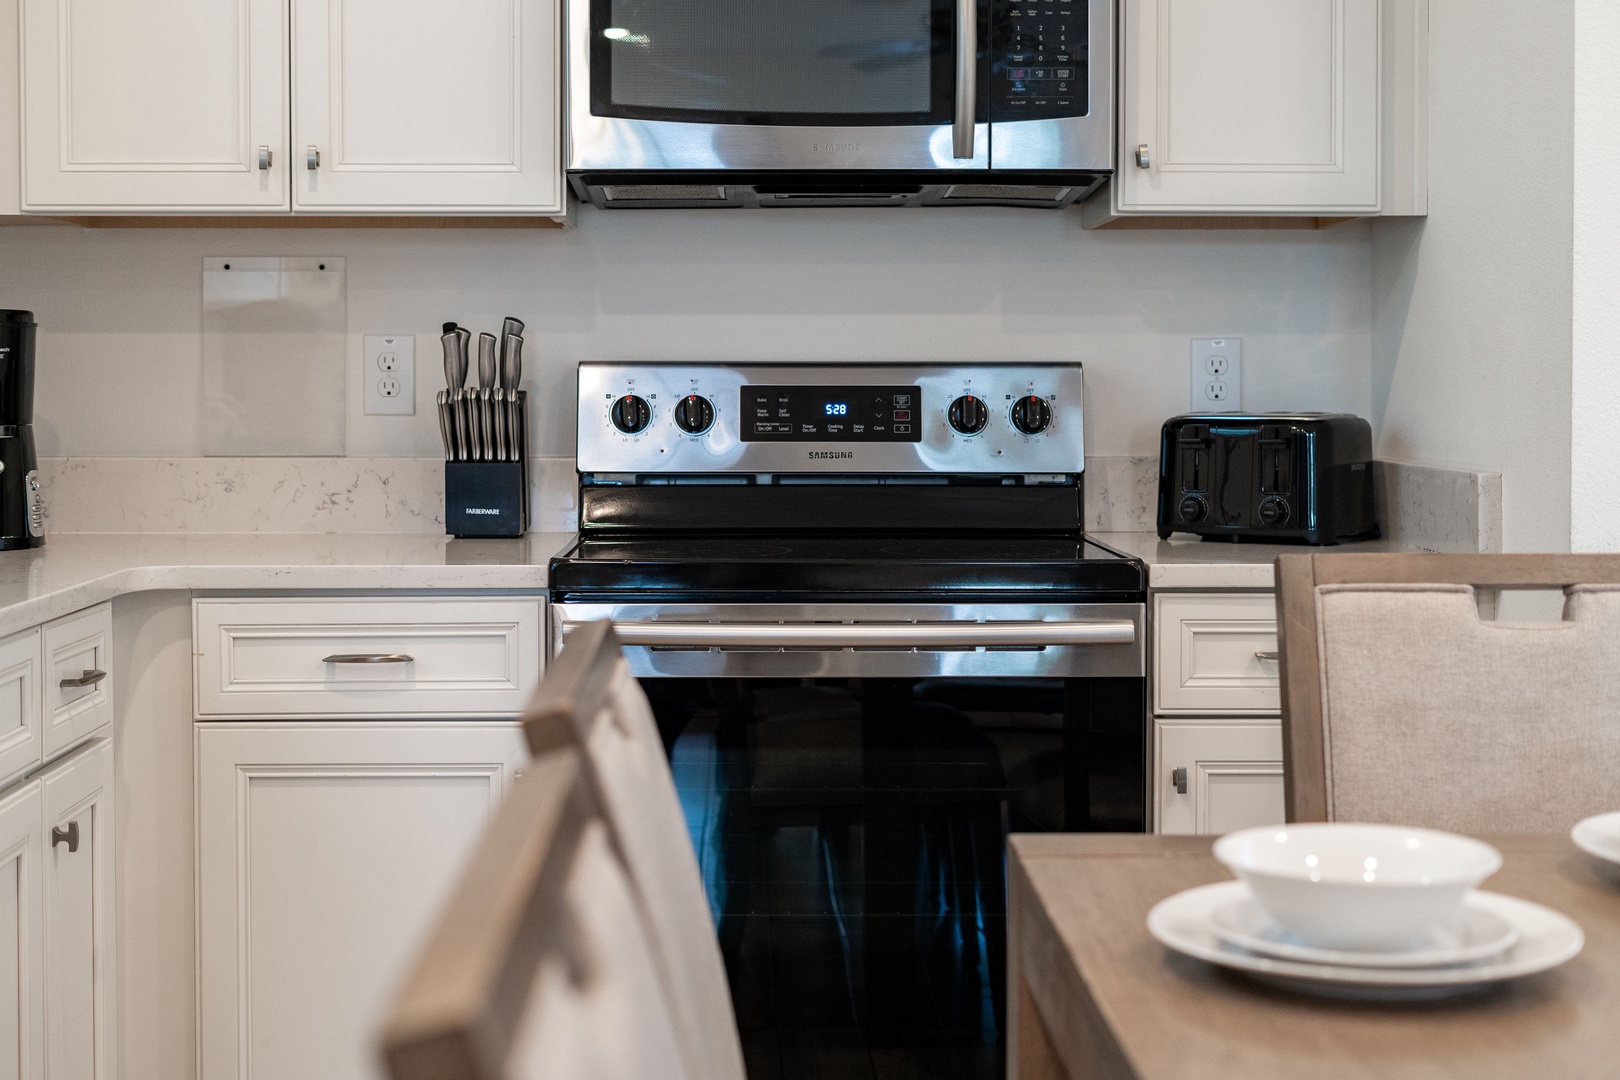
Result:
pixel 791 62
pixel 852 834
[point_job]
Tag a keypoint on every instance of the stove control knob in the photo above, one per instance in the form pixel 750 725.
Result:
pixel 968 415
pixel 1031 415
pixel 1193 509
pixel 631 414
pixel 694 415
pixel 1274 510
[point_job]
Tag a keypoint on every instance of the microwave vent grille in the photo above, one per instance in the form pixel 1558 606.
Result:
pixel 660 192
pixel 1007 192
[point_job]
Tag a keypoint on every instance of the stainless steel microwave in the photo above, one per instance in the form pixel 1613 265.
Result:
pixel 839 102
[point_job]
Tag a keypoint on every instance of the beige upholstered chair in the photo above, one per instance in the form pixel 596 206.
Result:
pixel 1401 704
pixel 542 964
pixel 601 961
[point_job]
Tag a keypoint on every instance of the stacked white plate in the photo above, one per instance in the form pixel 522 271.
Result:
pixel 1599 836
pixel 1491 939
pixel 1372 911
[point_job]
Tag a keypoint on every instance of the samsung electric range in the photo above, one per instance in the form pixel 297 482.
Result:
pixel 876 641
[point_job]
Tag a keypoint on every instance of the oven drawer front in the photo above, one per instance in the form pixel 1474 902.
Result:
pixel 365 656
pixel 870 640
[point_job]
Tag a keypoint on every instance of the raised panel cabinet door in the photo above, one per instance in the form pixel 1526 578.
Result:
pixel 22 730
pixel 1250 106
pixel 155 107
pixel 22 936
pixel 416 106
pixel 324 851
pixel 1215 653
pixel 1211 778
pixel 80 952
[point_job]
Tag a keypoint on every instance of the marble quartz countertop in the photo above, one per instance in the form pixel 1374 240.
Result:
pixel 76 570
pixel 1184 562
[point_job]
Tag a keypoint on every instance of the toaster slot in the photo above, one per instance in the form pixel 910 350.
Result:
pixel 1276 460
pixel 1193 447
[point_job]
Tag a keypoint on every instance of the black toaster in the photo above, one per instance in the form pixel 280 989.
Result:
pixel 1306 476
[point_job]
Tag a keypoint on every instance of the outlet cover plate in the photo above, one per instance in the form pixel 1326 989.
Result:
pixel 388 374
pixel 1216 385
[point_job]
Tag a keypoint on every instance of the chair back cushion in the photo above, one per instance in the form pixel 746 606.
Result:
pixel 1434 716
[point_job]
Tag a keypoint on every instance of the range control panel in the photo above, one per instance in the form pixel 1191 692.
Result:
pixel 1040 50
pixel 662 418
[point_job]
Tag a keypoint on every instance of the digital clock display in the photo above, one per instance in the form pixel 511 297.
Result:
pixel 832 414
pixel 836 408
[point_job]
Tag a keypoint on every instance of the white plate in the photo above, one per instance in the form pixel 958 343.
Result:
pixel 1599 836
pixel 1546 939
pixel 1475 934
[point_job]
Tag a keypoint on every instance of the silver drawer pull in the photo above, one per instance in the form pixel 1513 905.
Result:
pixel 1268 656
pixel 90 677
pixel 68 836
pixel 369 658
pixel 858 635
pixel 1178 777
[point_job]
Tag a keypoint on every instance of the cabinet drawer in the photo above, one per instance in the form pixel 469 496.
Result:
pixel 22 732
pixel 1233 776
pixel 78 676
pixel 1208 653
pixel 373 656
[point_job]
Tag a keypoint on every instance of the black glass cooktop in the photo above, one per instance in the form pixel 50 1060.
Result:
pixel 1031 567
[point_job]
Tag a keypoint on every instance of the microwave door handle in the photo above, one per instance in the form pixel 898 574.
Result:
pixel 967 69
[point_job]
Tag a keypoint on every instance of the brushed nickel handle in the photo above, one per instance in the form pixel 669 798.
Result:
pixel 90 677
pixel 1144 160
pixel 1178 777
pixel 68 836
pixel 369 658
pixel 1268 656
pixel 312 158
pixel 967 71
pixel 265 157
pixel 857 635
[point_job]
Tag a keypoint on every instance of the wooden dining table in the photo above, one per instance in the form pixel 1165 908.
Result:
pixel 1092 996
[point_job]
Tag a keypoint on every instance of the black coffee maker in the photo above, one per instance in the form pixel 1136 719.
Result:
pixel 22 513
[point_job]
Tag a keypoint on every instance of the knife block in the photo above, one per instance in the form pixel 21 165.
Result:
pixel 485 498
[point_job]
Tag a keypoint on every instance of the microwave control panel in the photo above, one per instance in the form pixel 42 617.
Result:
pixel 1040 50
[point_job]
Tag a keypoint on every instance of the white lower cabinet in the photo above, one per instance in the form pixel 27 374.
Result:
pixel 77 834
pixel 1216 776
pixel 324 851
pixel 22 933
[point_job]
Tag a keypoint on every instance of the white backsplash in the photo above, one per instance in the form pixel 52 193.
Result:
pixel 279 495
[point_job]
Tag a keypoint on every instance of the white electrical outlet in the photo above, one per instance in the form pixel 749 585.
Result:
pixel 388 372
pixel 1217 375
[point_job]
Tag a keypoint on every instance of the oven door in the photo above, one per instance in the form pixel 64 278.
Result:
pixel 713 85
pixel 849 774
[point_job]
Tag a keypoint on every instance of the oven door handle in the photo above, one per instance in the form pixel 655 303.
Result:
pixel 858 635
pixel 967 70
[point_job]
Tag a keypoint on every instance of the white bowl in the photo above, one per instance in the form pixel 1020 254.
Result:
pixel 1341 886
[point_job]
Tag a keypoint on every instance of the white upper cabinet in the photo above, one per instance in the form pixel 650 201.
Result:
pixel 1250 107
pixel 154 107
pixel 404 106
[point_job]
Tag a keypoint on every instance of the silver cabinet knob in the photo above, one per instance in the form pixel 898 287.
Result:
pixel 1268 656
pixel 312 158
pixel 68 836
pixel 1178 777
pixel 265 157
pixel 1143 158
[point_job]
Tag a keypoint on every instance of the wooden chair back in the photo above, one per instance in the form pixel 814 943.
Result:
pixel 541 965
pixel 590 700
pixel 1400 703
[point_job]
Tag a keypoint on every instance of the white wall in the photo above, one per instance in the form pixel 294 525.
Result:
pixel 120 310
pixel 1595 389
pixel 1472 305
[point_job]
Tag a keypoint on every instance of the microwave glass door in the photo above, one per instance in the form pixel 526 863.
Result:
pixel 844 63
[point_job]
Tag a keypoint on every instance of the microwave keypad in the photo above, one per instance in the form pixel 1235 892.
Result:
pixel 1040 51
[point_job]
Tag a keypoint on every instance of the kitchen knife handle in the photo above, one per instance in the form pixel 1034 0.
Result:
pixel 967 69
